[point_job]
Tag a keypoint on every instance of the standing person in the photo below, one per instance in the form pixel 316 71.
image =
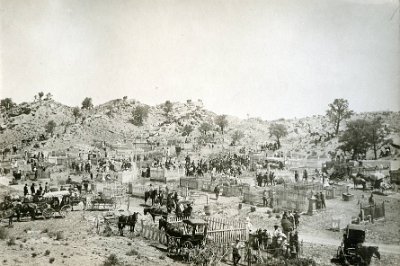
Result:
pixel 235 252
pixel 265 198
pixel 296 176
pixel 33 189
pixel 46 188
pixel 40 190
pixel 26 191
pixel 305 175
pixel 296 219
pixel 216 191
pixel 322 197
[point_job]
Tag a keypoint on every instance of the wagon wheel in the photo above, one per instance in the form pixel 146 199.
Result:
pixel 65 210
pixel 48 213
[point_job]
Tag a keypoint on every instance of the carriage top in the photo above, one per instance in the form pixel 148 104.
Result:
pixel 355 232
pixel 56 194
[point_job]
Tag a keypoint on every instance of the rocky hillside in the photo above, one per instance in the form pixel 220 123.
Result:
pixel 25 125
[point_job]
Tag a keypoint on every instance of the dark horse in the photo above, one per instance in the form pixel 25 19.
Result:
pixel 155 212
pixel 359 181
pixel 129 220
pixel 365 254
pixel 150 194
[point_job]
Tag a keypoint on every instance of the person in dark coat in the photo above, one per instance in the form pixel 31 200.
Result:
pixel 33 189
pixel 296 176
pixel 26 191
pixel 322 197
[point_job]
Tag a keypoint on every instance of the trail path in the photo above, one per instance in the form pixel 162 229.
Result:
pixel 384 248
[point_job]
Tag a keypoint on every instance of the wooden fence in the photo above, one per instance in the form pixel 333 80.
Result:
pixel 220 231
pixel 372 212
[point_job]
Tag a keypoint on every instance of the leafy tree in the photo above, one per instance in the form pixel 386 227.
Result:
pixel 338 111
pixel 377 135
pixel 87 103
pixel 167 108
pixel 49 96
pixel 50 126
pixel 7 103
pixel 205 127
pixel 237 136
pixel 355 138
pixel 278 131
pixel 76 112
pixel 125 98
pixel 41 94
pixel 222 122
pixel 140 114
pixel 187 129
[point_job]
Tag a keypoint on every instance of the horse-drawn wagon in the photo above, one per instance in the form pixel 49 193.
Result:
pixel 102 202
pixel 183 236
pixel 55 202
pixel 352 251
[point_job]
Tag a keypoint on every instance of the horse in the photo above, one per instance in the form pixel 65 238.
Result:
pixel 365 254
pixel 155 212
pixel 150 194
pixel 359 181
pixel 129 220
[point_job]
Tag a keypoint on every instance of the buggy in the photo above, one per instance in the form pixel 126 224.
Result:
pixel 353 238
pixel 58 201
pixel 183 236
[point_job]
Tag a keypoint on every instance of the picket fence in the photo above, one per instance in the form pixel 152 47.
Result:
pixel 220 231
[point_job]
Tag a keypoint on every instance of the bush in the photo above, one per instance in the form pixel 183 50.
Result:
pixel 132 252
pixel 111 260
pixel 51 260
pixel 278 216
pixel 47 253
pixel 34 254
pixel 3 233
pixel 11 241
pixel 45 231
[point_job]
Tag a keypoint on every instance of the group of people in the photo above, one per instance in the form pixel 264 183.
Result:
pixel 283 240
pixel 33 191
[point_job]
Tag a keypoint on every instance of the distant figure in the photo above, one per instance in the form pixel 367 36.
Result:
pixel 296 176
pixel 33 189
pixel 40 190
pixel 322 197
pixel 265 198
pixel 26 191
pixel 235 252
pixel 305 175
pixel 217 191
pixel 371 200
pixel 46 188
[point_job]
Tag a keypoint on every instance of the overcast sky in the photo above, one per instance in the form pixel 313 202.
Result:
pixel 268 59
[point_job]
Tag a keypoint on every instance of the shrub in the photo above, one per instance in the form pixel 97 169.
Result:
pixel 132 252
pixel 51 260
pixel 11 241
pixel 111 260
pixel 47 253
pixel 45 231
pixel 278 216
pixel 34 254
pixel 3 233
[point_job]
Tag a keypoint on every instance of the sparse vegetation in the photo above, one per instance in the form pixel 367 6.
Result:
pixel 111 260
pixel 87 103
pixel 132 252
pixel 11 241
pixel 139 115
pixel 3 233
pixel 51 260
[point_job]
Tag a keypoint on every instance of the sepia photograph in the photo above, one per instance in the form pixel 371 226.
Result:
pixel 199 132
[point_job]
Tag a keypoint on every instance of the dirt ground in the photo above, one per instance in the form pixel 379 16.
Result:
pixel 36 242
